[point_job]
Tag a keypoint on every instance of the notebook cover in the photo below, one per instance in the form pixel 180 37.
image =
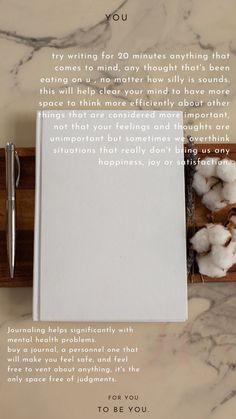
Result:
pixel 110 243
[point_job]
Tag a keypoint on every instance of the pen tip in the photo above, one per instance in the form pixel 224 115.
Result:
pixel 12 273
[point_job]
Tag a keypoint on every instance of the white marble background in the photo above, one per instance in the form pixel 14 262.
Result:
pixel 30 32
pixel 188 369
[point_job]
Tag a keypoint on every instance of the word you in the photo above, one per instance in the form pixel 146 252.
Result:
pixel 116 17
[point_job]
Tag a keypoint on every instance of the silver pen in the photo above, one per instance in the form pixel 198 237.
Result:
pixel 12 182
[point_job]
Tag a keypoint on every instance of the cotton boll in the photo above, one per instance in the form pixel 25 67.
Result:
pixel 226 170
pixel 208 267
pixel 200 241
pixel 218 234
pixel 207 167
pixel 213 199
pixel 229 192
pixel 233 234
pixel 233 219
pixel 201 184
pixel 224 257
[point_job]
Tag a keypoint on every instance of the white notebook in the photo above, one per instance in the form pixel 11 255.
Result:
pixel 110 240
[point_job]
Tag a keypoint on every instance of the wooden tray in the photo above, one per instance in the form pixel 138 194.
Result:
pixel 25 219
pixel 203 215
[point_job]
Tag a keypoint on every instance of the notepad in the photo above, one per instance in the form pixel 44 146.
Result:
pixel 110 233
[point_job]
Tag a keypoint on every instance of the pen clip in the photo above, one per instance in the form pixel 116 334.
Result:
pixel 18 169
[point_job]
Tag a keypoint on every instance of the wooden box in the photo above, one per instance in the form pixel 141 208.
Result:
pixel 25 219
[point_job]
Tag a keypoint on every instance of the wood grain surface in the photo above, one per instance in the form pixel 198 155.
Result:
pixel 25 221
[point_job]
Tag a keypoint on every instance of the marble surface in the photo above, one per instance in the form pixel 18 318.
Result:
pixel 29 34
pixel 188 370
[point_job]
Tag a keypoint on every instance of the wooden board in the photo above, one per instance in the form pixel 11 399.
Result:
pixel 25 219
